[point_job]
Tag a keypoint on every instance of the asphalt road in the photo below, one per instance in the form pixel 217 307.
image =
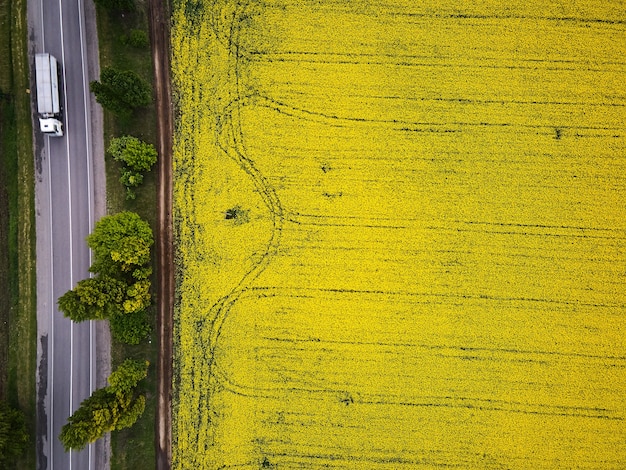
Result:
pixel 66 211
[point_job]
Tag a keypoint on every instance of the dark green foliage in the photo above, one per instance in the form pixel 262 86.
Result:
pixel 137 297
pixel 133 153
pixel 93 299
pixel 128 374
pixel 138 38
pixel 109 99
pixel 132 413
pixel 136 157
pixel 118 5
pixel 109 239
pixel 131 179
pixel 13 436
pixel 90 421
pixel 130 328
pixel 195 13
pixel 130 252
pixel 121 91
pixel 120 290
pixel 237 215
pixel 141 273
pixel 107 409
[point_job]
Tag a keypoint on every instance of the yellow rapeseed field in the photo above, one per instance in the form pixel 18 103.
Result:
pixel 401 234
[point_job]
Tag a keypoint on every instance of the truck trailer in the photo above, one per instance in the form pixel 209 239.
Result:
pixel 48 106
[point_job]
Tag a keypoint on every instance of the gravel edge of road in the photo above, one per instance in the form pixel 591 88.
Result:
pixel 102 447
pixel 159 35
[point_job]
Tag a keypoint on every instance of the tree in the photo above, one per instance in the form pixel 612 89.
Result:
pixel 108 240
pixel 121 91
pixel 130 252
pixel 93 299
pixel 134 153
pixel 138 38
pixel 128 374
pixel 130 328
pixel 115 407
pixel 136 157
pixel 137 296
pixel 13 435
pixel 119 5
pixel 120 290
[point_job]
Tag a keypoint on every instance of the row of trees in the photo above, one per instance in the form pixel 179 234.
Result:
pixel 120 288
pixel 121 92
pixel 119 292
pixel 111 408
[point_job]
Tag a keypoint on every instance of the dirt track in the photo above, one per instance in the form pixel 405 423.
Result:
pixel 159 32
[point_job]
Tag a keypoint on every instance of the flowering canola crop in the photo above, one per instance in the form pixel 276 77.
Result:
pixel 400 234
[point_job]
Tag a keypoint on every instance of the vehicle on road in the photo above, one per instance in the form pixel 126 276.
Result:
pixel 48 106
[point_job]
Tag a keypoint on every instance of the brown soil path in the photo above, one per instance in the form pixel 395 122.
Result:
pixel 159 32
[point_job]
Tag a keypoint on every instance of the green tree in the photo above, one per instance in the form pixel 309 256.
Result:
pixel 107 243
pixel 134 153
pixel 119 5
pixel 128 374
pixel 136 157
pixel 143 272
pixel 137 296
pixel 93 299
pixel 130 328
pixel 131 413
pixel 13 435
pixel 138 38
pixel 111 408
pixel 120 290
pixel 121 91
pixel 130 252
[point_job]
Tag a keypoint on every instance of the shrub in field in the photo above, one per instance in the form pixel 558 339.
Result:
pixel 138 38
pixel 115 407
pixel 121 91
pixel 237 215
pixel 131 179
pixel 136 157
pixel 13 436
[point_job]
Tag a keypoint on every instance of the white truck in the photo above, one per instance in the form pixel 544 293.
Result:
pixel 47 75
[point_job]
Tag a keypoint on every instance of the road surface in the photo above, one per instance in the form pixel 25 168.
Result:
pixel 68 201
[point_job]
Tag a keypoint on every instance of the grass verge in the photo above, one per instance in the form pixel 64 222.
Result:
pixel 18 316
pixel 133 447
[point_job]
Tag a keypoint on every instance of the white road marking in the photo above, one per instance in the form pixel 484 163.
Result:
pixel 83 60
pixel 51 437
pixel 50 317
pixel 43 37
pixel 69 187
